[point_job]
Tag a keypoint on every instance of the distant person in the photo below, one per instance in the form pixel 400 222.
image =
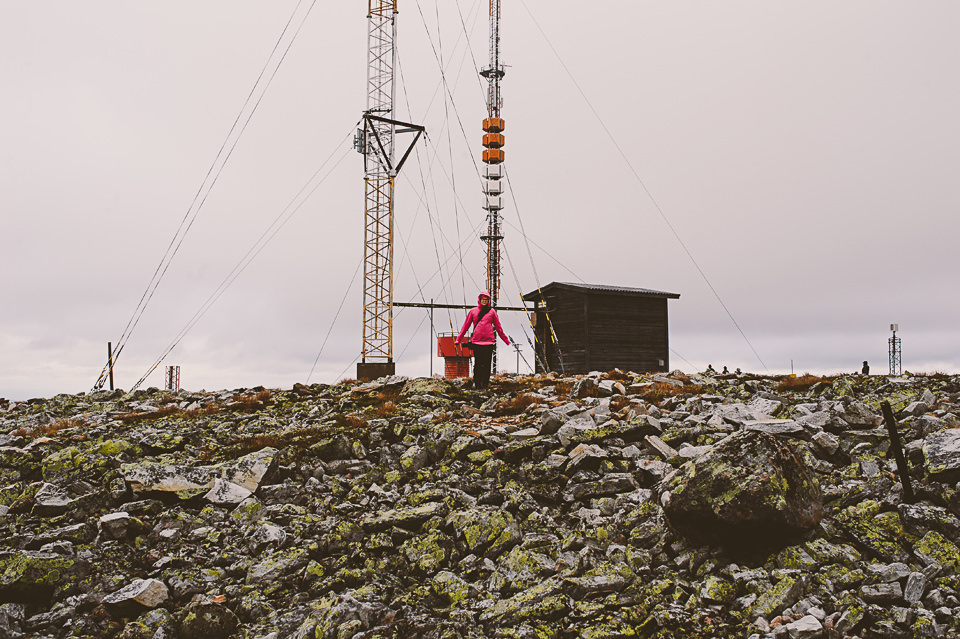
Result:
pixel 710 368
pixel 866 368
pixel 738 371
pixel 485 321
pixel 725 371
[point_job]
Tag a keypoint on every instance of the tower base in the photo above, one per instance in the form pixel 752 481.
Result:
pixel 369 371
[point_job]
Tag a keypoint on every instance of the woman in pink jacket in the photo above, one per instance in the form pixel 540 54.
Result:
pixel 485 321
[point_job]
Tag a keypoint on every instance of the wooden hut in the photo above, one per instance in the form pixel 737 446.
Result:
pixel 599 328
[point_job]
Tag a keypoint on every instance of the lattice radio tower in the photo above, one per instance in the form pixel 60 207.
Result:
pixel 894 353
pixel 493 126
pixel 376 141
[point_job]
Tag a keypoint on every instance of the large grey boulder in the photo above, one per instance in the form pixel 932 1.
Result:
pixel 28 576
pixel 187 482
pixel 749 488
pixel 941 453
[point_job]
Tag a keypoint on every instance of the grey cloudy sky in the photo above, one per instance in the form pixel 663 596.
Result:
pixel 805 153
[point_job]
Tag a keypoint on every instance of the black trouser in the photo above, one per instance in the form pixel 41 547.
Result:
pixel 482 354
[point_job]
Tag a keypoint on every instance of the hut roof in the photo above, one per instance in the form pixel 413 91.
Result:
pixel 616 290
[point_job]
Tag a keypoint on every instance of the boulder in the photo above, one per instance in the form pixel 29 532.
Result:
pixel 426 386
pixel 807 627
pixel 52 500
pixel 551 421
pixel 187 482
pixel 411 517
pixel 207 620
pixel 29 576
pixel 608 387
pixel 226 493
pixel 485 529
pixel 114 525
pixel 542 601
pixel 941 453
pixel 750 488
pixel 781 427
pixel 146 592
pixel 859 415
pixel 250 470
pixel 472 525
pixel 585 387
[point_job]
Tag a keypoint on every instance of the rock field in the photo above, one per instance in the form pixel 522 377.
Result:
pixel 547 507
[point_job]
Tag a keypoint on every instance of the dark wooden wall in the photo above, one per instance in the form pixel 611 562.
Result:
pixel 600 331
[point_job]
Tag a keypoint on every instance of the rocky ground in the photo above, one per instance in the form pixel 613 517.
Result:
pixel 611 505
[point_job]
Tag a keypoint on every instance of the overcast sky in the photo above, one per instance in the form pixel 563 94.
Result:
pixel 793 165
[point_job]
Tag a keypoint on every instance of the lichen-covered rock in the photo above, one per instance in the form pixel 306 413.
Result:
pixel 750 488
pixel 784 593
pixel 432 512
pixel 349 613
pixel 485 529
pixel 31 576
pixel 52 500
pixel 427 386
pixel 207 620
pixel 716 590
pixel 276 570
pixel 935 547
pixel 604 579
pixel 155 624
pixel 941 452
pixel 19 462
pixel 187 482
pixel 146 592
pixel 427 553
pixel 451 588
pixel 226 493
pixel 405 517
pixel 877 532
pixel 543 601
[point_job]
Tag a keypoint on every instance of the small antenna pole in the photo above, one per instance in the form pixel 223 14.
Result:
pixel 430 346
pixel 893 347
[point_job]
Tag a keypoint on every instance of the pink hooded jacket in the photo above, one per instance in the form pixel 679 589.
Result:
pixel 483 333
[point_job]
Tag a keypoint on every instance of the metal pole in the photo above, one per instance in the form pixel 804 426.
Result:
pixel 110 362
pixel 493 156
pixel 902 468
pixel 430 350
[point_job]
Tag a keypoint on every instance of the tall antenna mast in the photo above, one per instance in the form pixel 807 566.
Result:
pixel 493 141
pixel 376 141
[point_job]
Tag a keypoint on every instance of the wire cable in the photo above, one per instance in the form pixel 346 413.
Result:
pixel 523 302
pixel 536 278
pixel 278 223
pixel 332 323
pixel 209 180
pixel 636 175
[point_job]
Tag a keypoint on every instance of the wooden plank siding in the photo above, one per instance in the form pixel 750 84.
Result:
pixel 600 328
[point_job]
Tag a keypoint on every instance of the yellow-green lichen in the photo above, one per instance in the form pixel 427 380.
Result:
pixel 944 551
pixel 718 590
